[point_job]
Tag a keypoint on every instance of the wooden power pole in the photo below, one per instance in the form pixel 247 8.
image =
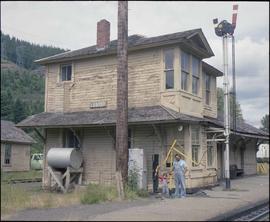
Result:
pixel 122 92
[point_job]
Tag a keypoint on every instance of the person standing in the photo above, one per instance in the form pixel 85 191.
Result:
pixel 179 168
pixel 164 181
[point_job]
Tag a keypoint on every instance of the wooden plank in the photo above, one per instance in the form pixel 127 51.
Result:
pixel 67 179
pixel 56 179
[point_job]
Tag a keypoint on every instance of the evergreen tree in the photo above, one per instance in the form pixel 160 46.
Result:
pixel 19 111
pixel 265 123
pixel 220 104
pixel 6 105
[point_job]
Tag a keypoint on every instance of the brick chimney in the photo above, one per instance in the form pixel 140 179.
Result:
pixel 103 34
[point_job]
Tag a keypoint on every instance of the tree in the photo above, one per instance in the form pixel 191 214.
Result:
pixel 265 123
pixel 220 104
pixel 6 105
pixel 19 111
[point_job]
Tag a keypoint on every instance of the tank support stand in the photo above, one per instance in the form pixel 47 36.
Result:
pixel 63 180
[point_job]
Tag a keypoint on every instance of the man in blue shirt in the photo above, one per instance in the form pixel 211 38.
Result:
pixel 179 168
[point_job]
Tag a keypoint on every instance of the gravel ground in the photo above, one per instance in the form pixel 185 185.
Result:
pixel 206 204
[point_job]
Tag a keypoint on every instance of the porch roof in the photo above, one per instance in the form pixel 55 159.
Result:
pixel 138 115
pixel 242 128
pixel 151 114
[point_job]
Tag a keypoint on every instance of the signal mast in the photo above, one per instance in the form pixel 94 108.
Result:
pixel 226 30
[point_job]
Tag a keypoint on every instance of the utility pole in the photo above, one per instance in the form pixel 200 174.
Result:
pixel 225 30
pixel 122 92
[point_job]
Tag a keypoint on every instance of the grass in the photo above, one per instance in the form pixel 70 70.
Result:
pixel 96 193
pixel 14 198
pixel 5 176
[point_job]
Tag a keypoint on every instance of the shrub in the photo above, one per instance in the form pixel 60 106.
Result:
pixel 133 180
pixel 96 193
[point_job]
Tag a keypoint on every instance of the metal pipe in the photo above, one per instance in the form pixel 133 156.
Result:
pixel 234 83
pixel 226 111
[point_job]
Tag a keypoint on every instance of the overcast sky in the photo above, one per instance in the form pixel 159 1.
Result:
pixel 72 25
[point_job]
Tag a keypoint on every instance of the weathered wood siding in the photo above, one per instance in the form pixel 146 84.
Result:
pixel 20 157
pixel 99 156
pixel 250 163
pixel 53 139
pixel 99 153
pixel 95 80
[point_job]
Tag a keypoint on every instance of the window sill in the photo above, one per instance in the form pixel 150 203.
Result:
pixel 7 165
pixel 190 94
pixel 196 168
pixel 211 168
pixel 62 83
pixel 207 107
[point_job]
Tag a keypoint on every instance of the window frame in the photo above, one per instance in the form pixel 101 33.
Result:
pixel 184 72
pixel 168 70
pixel 211 146
pixel 8 151
pixel 66 74
pixel 207 89
pixel 66 139
pixel 195 76
pixel 195 144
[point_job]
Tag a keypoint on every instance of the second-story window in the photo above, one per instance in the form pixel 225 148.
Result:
pixel 66 72
pixel 207 88
pixel 169 70
pixel 184 70
pixel 195 75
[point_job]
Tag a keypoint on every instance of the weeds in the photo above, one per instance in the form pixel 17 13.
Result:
pixel 96 193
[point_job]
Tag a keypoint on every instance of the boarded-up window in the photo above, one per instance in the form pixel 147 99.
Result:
pixel 195 75
pixel 195 141
pixel 169 68
pixel 66 72
pixel 7 153
pixel 185 70
pixel 207 88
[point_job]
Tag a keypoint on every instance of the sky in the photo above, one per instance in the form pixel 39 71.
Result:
pixel 72 25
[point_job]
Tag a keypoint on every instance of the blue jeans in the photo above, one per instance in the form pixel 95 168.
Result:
pixel 180 187
pixel 165 189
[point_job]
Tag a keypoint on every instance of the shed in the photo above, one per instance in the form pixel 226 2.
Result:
pixel 15 148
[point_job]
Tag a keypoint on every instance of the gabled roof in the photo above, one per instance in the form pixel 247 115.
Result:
pixel 192 39
pixel 138 115
pixel 11 133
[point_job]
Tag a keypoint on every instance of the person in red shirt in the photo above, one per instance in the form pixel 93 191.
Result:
pixel 164 181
